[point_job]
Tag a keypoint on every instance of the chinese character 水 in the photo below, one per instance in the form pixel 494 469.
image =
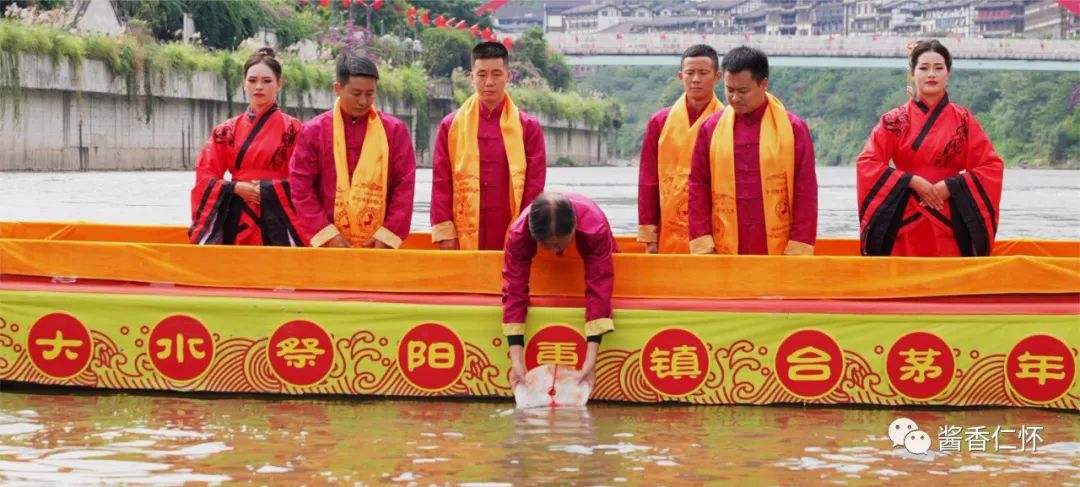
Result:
pixel 167 348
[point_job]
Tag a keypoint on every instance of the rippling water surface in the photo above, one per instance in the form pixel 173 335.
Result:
pixel 1036 203
pixel 85 437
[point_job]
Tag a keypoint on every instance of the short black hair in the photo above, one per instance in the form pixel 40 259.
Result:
pixel 351 63
pixel 923 47
pixel 701 50
pixel 551 215
pixel 744 58
pixel 490 50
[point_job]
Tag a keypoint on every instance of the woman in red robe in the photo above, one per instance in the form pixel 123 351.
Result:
pixel 940 196
pixel 252 207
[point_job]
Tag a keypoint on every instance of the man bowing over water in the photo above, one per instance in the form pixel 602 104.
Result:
pixel 554 221
pixel 353 170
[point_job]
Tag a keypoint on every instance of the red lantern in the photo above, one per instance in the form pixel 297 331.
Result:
pixel 508 43
pixel 410 16
pixel 461 25
pixel 345 3
pixel 486 35
pixel 425 18
pixel 440 21
pixel 377 4
pixel 474 31
pixel 324 3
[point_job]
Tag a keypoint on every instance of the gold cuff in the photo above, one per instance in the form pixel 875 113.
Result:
pixel 702 245
pixel 513 329
pixel 443 231
pixel 647 234
pixel 598 326
pixel 387 237
pixel 328 232
pixel 795 247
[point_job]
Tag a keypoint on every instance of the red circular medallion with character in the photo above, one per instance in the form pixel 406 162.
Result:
pixel 59 345
pixel 431 357
pixel 181 348
pixel 300 353
pixel 675 362
pixel 809 364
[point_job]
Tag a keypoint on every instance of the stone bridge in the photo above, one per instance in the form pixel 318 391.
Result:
pixel 659 43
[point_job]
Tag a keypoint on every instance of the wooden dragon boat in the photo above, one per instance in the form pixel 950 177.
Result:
pixel 137 307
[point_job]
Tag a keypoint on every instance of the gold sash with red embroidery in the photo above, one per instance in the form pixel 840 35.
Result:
pixel 360 201
pixel 465 164
pixel 674 151
pixel 777 160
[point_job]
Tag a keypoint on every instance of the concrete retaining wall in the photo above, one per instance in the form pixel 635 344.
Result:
pixel 84 120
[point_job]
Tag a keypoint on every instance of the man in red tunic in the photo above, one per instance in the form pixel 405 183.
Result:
pixel 753 189
pixel 664 169
pixel 352 174
pixel 489 160
pixel 554 221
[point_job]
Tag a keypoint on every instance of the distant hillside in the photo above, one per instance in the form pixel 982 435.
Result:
pixel 1033 118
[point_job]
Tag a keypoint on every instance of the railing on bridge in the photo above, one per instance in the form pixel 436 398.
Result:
pixel 656 43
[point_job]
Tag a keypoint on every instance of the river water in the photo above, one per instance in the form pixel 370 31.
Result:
pixel 1035 203
pixel 49 437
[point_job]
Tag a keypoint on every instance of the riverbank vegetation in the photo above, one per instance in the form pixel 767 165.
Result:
pixel 139 58
pixel 1032 117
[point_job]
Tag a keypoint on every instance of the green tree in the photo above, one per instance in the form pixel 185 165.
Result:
pixel 40 4
pixel 445 50
pixel 459 9
pixel 532 48
pixel 222 25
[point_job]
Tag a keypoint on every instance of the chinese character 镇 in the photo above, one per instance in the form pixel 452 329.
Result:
pixel 302 356
pixel 679 362
pixel 57 345
pixel 192 348
pixel 1041 367
pixel 812 364
pixel 920 365
pixel 557 353
pixel 949 438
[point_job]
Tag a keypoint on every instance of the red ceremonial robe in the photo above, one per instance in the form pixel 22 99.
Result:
pixel 495 210
pixel 938 143
pixel 314 177
pixel 595 244
pixel 252 150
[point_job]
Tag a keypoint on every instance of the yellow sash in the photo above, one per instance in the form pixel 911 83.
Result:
pixel 777 153
pixel 360 204
pixel 465 162
pixel 674 151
